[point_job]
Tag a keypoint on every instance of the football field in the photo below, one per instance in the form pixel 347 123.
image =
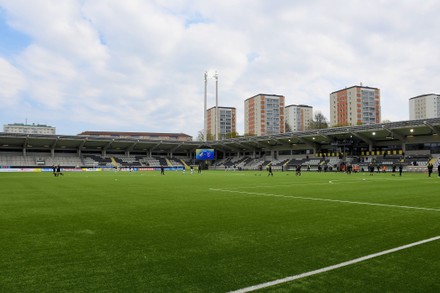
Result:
pixel 219 232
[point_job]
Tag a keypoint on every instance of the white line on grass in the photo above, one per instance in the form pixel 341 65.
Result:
pixel 326 199
pixel 333 267
pixel 325 182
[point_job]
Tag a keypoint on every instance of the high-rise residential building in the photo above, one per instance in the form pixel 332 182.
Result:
pixel 226 124
pixel 29 128
pixel 298 117
pixel 264 115
pixel 356 105
pixel 424 106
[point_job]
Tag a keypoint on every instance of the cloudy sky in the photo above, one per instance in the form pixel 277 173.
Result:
pixel 138 65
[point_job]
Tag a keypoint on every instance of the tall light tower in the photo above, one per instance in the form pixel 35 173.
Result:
pixel 211 74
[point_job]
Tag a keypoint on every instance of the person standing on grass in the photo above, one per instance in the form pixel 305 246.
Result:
pixel 298 170
pixel 438 169
pixel 393 170
pixel 162 170
pixel 269 168
pixel 199 169
pixel 349 168
pixel 430 167
pixel 400 169
pixel 371 169
pixel 54 170
pixel 59 171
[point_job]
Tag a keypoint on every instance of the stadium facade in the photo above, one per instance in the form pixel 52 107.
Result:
pixel 414 140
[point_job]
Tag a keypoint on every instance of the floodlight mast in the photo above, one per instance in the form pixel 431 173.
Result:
pixel 205 126
pixel 217 118
pixel 209 74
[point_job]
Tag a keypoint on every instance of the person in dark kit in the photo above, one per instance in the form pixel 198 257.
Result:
pixel 162 170
pixel 430 167
pixel 54 170
pixel 199 169
pixel 59 171
pixel 438 169
pixel 349 168
pixel 400 169
pixel 298 170
pixel 269 169
pixel 393 170
pixel 371 169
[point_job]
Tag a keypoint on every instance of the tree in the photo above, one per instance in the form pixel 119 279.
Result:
pixel 319 121
pixel 231 135
pixel 201 135
pixel 288 127
pixel 249 134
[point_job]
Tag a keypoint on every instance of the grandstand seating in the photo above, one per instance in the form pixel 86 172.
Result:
pixel 175 162
pixel 98 161
pixel 39 160
pixel 127 161
pixel 45 159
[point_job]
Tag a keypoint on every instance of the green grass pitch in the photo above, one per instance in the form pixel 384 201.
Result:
pixel 216 232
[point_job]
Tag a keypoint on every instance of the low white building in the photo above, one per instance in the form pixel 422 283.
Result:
pixel 29 128
pixel 424 106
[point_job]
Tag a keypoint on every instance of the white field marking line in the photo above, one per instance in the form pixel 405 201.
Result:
pixel 327 199
pixel 333 267
pixel 338 181
pixel 335 181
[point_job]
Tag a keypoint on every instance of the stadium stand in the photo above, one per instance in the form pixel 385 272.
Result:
pixel 410 143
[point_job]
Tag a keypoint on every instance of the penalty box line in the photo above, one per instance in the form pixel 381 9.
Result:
pixel 326 200
pixel 333 267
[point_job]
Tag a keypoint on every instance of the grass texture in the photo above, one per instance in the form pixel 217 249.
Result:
pixel 216 232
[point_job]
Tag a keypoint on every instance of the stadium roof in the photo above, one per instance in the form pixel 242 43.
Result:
pixel 133 134
pixel 394 133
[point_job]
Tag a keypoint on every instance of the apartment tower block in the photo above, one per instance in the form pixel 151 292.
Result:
pixel 298 117
pixel 264 115
pixel 226 122
pixel 357 105
pixel 424 106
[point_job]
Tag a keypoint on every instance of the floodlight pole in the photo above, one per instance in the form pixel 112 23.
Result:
pixel 217 118
pixel 205 132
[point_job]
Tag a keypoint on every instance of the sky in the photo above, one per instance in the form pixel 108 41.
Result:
pixel 138 65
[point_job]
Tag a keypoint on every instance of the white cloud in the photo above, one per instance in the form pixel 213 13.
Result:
pixel 12 83
pixel 138 65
